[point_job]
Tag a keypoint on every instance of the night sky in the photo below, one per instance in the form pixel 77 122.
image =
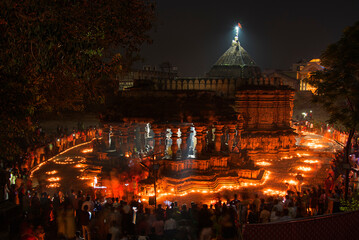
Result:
pixel 193 34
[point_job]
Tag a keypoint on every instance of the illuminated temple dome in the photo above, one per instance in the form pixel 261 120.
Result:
pixel 235 63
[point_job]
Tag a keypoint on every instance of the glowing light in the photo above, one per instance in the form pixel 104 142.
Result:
pixel 272 192
pixel 53 179
pixel 87 150
pixel 291 182
pixel 263 163
pixel 80 165
pixel 51 172
pixel 53 185
pixel 305 169
pixel 311 161
pixel 66 161
pixel 204 189
pixel 303 154
pixel 314 145
pixel 54 157
pixel 84 178
pixel 94 181
pixel 295 174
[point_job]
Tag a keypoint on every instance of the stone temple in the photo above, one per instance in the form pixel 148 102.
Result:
pixel 198 134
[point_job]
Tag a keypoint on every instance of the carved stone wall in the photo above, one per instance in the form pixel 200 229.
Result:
pixel 222 86
pixel 265 109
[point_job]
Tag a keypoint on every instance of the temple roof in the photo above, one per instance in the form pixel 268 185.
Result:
pixel 236 55
pixel 235 62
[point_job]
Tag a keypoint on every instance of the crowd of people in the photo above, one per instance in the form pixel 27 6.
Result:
pixel 79 215
pixel 75 215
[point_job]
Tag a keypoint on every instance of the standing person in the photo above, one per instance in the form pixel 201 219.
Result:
pixel 170 227
pixel 158 227
pixel 336 201
pixel 70 226
pixel 6 192
pixel 329 184
pixel 264 215
pixel 114 231
pixel 314 201
pixel 228 226
pixel 85 222
pixel 299 178
pixel 257 203
pixel 205 223
pixel 235 200
pixel 321 202
pixel 275 214
pixel 60 219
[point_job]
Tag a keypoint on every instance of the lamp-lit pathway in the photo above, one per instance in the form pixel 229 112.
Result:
pixel 72 170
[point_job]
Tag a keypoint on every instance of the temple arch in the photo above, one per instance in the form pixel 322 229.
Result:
pixel 168 85
pixel 196 84
pixel 202 85
pixel 214 85
pixel 208 85
pixel 190 85
pixel 179 85
pixel 185 85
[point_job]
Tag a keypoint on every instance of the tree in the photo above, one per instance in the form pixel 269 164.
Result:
pixel 338 85
pixel 61 55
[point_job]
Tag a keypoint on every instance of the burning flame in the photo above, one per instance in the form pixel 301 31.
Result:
pixel 311 161
pixel 263 163
pixel 272 192
pixel 291 182
pixel 51 172
pixel 87 150
pixel 314 144
pixel 53 185
pixel 79 165
pixel 305 169
pixel 53 179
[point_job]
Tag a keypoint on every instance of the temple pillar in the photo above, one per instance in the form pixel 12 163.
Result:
pixel 131 137
pixel 218 134
pixel 124 138
pixel 157 131
pixel 164 140
pixel 200 139
pixel 184 132
pixel 231 136
pixel 107 132
pixel 174 137
pixel 142 131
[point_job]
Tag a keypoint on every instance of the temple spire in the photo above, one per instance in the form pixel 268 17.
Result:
pixel 236 40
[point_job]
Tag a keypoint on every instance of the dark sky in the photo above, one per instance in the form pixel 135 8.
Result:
pixel 193 34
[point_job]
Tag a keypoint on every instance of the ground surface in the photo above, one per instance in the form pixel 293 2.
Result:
pixel 72 170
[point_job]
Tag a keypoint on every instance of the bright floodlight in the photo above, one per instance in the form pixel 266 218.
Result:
pixel 237 28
